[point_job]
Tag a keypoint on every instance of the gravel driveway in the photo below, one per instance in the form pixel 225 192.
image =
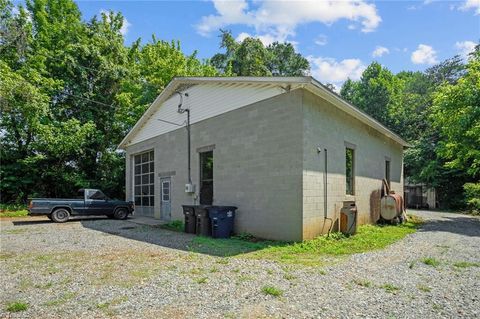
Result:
pixel 107 268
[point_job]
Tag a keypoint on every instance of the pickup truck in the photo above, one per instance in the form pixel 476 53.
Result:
pixel 90 202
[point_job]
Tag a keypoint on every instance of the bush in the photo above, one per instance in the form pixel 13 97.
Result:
pixel 472 197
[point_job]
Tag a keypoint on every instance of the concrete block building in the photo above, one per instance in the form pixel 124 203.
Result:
pixel 288 152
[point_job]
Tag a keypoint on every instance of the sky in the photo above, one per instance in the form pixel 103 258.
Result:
pixel 339 38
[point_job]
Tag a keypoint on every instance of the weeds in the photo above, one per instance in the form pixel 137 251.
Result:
pixel 390 288
pixel 424 288
pixel 466 264
pixel 62 300
pixel 175 225
pixel 16 306
pixel 289 276
pixel 363 283
pixel 430 261
pixel 272 291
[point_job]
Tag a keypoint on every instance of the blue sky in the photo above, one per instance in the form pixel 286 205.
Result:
pixel 338 37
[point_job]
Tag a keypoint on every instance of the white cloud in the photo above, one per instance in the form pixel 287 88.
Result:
pixel 424 54
pixel 266 39
pixel 465 47
pixel 321 40
pixel 471 4
pixel 125 25
pixel 380 51
pixel 329 70
pixel 279 19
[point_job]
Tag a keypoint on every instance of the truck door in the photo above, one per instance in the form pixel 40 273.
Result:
pixel 96 203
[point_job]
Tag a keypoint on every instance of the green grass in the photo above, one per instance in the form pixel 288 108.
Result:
pixel 202 280
pixel 289 276
pixel 272 291
pixel 424 288
pixel 390 288
pixel 466 264
pixel 310 252
pixel 14 213
pixel 15 231
pixel 363 283
pixel 430 261
pixel 17 306
pixel 175 225
pixel 61 300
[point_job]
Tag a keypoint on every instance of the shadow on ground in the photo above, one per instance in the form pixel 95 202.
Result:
pixel 157 235
pixel 466 226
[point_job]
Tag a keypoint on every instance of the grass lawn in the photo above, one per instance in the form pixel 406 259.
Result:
pixel 7 210
pixel 309 252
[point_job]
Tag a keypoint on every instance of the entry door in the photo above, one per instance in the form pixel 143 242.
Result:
pixel 165 198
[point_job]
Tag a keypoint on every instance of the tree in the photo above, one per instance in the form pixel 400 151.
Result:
pixel 456 114
pixel 374 93
pixel 251 58
pixel 284 61
pixel 70 90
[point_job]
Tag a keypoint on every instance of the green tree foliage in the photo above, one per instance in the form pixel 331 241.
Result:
pixel 456 114
pixel 70 90
pixel 251 58
pixel 436 111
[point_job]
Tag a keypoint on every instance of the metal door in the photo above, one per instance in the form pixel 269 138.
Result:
pixel 165 198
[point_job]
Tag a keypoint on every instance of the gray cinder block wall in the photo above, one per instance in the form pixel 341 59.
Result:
pixel 266 163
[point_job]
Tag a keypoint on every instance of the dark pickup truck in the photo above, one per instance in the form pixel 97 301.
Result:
pixel 91 202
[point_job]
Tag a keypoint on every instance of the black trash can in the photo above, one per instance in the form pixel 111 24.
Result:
pixel 222 220
pixel 204 227
pixel 190 220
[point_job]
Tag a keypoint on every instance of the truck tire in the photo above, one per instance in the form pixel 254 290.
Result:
pixel 60 215
pixel 120 213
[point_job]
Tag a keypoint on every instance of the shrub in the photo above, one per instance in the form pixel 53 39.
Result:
pixel 472 197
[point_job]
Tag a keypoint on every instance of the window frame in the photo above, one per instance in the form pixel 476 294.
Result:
pixel 202 156
pixel 144 178
pixel 350 191
pixel 388 170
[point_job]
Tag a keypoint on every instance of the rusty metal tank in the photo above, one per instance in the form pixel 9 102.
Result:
pixel 391 205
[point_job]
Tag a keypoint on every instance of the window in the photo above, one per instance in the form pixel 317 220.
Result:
pixel 206 178
pixel 96 195
pixel 387 171
pixel 144 179
pixel 350 171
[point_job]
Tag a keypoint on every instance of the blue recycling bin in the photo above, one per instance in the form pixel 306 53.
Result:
pixel 222 218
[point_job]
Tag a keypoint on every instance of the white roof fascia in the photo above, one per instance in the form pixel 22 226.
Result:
pixel 307 81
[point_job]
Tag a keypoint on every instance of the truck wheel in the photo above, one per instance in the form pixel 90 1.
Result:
pixel 60 215
pixel 120 213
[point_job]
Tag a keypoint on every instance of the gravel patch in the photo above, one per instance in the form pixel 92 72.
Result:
pixel 106 268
